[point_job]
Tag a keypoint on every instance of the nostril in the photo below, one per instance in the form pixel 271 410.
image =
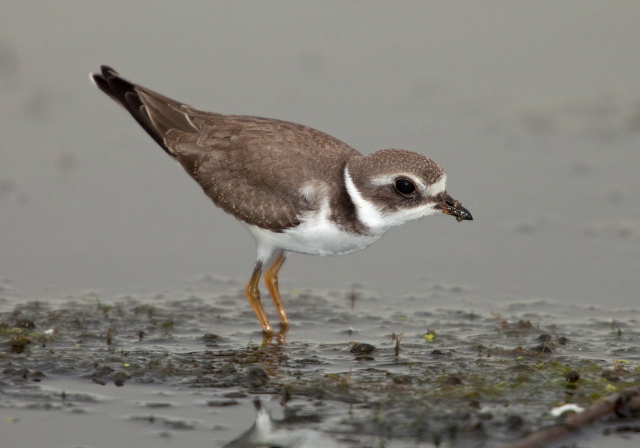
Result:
pixel 453 204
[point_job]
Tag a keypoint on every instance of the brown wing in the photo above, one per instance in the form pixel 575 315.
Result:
pixel 251 167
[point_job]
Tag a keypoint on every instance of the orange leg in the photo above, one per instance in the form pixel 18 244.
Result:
pixel 253 295
pixel 271 280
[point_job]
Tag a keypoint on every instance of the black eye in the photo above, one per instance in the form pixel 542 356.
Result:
pixel 405 186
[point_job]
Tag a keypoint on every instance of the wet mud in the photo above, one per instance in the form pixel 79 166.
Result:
pixel 351 373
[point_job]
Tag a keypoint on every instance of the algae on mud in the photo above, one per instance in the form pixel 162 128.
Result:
pixel 472 381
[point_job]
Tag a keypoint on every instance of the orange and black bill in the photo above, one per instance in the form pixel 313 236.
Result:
pixel 454 208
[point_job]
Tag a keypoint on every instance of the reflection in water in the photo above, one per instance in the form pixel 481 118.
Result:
pixel 266 432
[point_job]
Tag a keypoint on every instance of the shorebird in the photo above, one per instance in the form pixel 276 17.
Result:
pixel 296 189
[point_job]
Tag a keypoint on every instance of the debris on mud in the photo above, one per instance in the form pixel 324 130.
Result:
pixel 472 380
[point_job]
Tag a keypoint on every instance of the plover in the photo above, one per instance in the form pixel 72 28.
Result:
pixel 266 432
pixel 296 189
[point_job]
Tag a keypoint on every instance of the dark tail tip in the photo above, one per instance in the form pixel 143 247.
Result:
pixel 125 93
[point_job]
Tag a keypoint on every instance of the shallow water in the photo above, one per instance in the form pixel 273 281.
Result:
pixel 134 372
pixel 533 110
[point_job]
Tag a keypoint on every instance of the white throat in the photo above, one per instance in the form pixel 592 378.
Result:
pixel 379 221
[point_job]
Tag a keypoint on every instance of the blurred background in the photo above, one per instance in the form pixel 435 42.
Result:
pixel 532 108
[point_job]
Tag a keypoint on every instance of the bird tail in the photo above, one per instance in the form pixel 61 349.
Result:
pixel 157 114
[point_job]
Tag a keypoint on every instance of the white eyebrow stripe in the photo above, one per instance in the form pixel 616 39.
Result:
pixel 439 186
pixel 433 190
pixel 390 178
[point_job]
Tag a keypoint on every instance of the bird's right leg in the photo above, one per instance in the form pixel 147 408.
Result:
pixel 253 296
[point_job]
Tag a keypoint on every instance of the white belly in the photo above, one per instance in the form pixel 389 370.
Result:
pixel 316 236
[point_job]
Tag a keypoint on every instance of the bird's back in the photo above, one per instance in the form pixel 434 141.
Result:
pixel 248 166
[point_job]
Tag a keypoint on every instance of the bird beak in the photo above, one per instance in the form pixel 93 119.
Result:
pixel 450 206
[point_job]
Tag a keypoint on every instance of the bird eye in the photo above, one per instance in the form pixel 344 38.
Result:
pixel 404 186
